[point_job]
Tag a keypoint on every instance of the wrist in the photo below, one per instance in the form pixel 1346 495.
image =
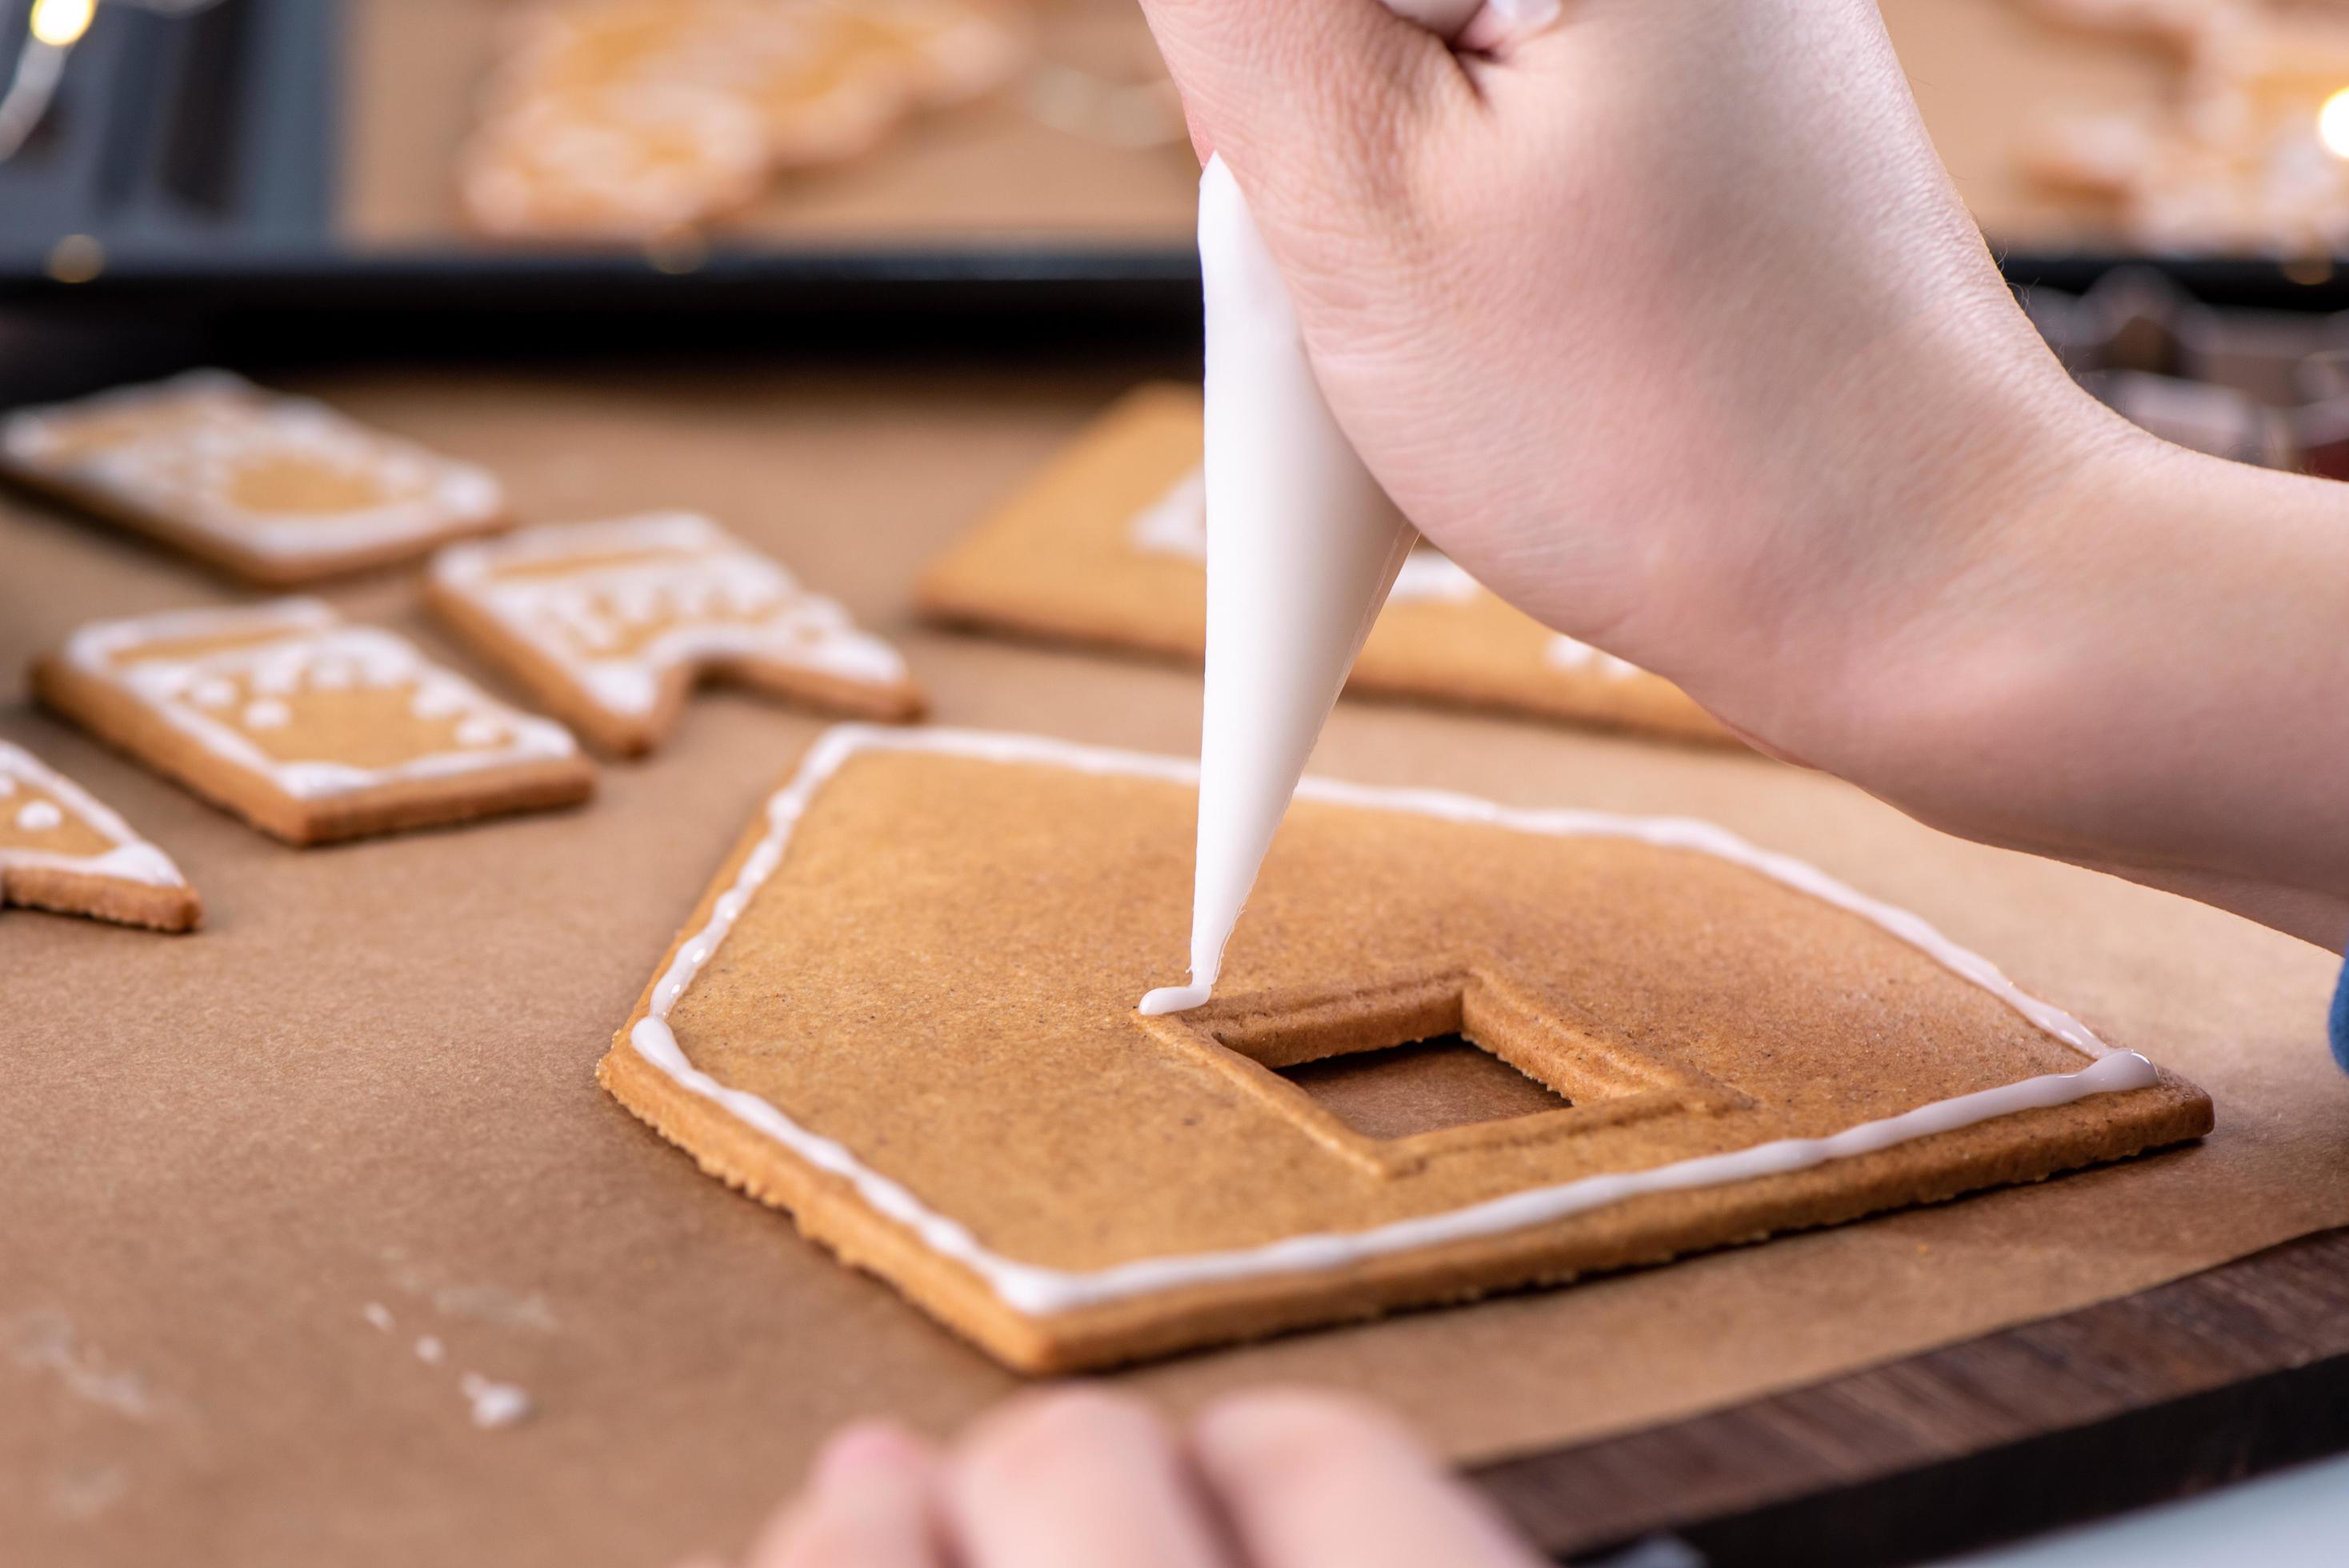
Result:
pixel 1907 530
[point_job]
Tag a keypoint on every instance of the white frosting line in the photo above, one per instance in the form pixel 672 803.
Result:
pixel 1571 653
pixel 127 858
pixel 187 470
pixel 310 648
pixel 725 599
pixel 1037 1290
pixel 1176 524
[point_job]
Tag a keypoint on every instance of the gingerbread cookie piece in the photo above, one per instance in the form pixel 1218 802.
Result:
pixel 1108 545
pixel 904 1011
pixel 307 725
pixel 629 118
pixel 610 623
pixel 276 489
pixel 626 163
pixel 61 849
pixel 2240 157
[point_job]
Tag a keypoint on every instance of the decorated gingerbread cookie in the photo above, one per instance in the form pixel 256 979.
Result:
pixel 307 725
pixel 1108 545
pixel 624 162
pixel 2237 158
pixel 61 849
pixel 276 489
pixel 1457 1047
pixel 627 118
pixel 611 623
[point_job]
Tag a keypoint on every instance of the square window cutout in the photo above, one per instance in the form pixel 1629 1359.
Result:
pixel 1394 1075
pixel 1422 1086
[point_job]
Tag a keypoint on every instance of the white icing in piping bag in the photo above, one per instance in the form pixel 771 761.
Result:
pixel 1303 547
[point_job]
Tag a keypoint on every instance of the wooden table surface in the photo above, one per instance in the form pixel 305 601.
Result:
pixel 2153 1397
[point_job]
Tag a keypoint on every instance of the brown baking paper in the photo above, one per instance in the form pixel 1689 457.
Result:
pixel 366 1084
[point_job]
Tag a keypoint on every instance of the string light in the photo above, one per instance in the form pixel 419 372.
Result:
pixel 2332 124
pixel 59 23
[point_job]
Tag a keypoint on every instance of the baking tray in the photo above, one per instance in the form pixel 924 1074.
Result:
pixel 278 161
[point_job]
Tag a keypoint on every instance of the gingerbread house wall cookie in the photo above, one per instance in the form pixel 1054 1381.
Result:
pixel 276 489
pixel 1107 546
pixel 307 725
pixel 611 623
pixel 62 850
pixel 904 1011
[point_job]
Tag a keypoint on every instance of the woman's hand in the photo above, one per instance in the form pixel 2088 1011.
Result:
pixel 1082 1478
pixel 1667 324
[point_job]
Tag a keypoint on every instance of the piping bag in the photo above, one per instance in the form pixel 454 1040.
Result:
pixel 1303 547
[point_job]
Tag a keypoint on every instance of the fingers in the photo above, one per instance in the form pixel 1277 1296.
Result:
pixel 1077 1478
pixel 1296 94
pixel 871 1502
pixel 1309 1479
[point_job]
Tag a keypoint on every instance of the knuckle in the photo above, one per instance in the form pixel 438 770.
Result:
pixel 821 1539
pixel 1053 1434
pixel 1296 1441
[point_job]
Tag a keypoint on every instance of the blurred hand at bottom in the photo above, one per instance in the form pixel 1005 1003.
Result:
pixel 1080 1477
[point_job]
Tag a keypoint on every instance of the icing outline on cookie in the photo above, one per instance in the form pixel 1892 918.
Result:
pixel 1176 524
pixel 132 858
pixel 1037 1291
pixel 314 646
pixel 803 629
pixel 180 472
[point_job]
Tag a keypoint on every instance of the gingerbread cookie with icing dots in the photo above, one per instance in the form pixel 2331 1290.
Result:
pixel 1108 547
pixel 309 726
pixel 274 488
pixel 1457 1047
pixel 61 849
pixel 610 625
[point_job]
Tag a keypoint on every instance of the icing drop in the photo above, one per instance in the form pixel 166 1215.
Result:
pixel 495 1404
pixel 1033 1289
pixel 39 817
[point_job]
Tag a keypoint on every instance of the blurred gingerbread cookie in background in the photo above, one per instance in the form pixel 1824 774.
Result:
pixel 610 625
pixel 2248 148
pixel 1107 547
pixel 274 489
pixel 624 120
pixel 307 725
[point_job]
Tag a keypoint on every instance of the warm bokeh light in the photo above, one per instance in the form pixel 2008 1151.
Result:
pixel 57 22
pixel 2332 124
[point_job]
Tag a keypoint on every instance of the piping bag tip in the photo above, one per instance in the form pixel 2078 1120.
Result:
pixel 1171 999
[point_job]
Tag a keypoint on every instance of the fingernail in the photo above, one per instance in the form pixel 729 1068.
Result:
pixel 865 1446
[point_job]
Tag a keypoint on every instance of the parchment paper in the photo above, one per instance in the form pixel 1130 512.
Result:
pixel 366 1083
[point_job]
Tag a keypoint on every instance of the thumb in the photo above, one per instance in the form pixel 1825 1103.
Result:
pixel 1298 94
